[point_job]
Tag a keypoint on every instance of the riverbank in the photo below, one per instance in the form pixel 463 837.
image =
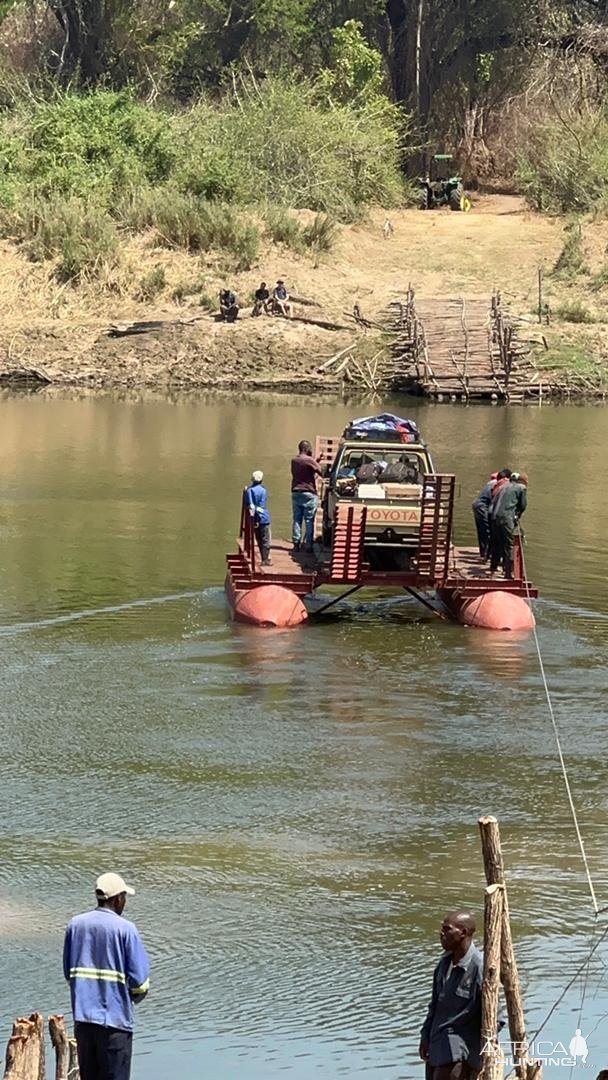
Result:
pixel 63 330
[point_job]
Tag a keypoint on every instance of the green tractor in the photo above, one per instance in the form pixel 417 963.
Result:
pixel 441 189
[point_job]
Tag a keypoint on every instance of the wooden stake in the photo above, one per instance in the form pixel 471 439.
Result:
pixel 61 1044
pixel 495 875
pixel 491 1058
pixel 73 1069
pixel 25 1050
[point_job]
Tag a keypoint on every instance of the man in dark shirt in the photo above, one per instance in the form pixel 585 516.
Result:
pixel 481 508
pixel 262 296
pixel 505 512
pixel 304 498
pixel 450 1040
pixel 229 305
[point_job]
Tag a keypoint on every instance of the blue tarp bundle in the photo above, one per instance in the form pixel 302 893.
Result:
pixel 385 422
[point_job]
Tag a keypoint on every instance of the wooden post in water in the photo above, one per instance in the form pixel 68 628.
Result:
pixel 61 1045
pixel 25 1050
pixel 73 1069
pixel 491 1055
pixel 495 875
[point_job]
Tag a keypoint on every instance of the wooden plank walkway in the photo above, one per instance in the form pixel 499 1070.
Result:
pixel 464 348
pixel 286 561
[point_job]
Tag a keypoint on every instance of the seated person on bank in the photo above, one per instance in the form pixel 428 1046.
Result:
pixel 280 300
pixel 229 305
pixel 261 300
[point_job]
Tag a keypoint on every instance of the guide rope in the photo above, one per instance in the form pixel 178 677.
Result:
pixel 558 742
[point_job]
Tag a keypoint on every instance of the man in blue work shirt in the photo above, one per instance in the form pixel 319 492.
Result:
pixel 450 1040
pixel 106 965
pixel 257 503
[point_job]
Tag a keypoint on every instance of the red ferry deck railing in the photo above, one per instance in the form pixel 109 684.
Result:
pixel 247 534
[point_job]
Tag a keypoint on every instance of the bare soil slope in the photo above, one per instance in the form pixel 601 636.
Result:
pixel 62 329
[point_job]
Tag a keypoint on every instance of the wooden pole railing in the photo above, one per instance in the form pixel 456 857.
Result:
pixel 247 532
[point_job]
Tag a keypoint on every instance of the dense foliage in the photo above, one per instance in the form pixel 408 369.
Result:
pixel 205 120
pixel 78 166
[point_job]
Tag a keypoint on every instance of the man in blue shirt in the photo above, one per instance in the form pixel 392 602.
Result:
pixel 450 1040
pixel 257 503
pixel 106 965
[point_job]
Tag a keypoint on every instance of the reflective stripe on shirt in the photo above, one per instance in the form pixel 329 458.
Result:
pixel 98 973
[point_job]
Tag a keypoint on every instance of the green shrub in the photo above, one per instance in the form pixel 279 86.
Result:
pixel 208 303
pixel 176 218
pixel 12 163
pixel 563 168
pixel 293 150
pixel 83 237
pixel 184 289
pixel 571 259
pixel 96 145
pixel 226 230
pixel 152 284
pixel 99 158
pixel 204 169
pixel 600 278
pixel 320 234
pixel 284 228
pixel 574 312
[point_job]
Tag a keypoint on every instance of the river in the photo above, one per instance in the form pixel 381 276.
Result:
pixel 297 810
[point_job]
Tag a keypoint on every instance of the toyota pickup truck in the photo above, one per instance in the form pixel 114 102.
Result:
pixel 387 476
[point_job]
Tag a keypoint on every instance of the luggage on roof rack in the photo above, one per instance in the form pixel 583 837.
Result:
pixel 385 428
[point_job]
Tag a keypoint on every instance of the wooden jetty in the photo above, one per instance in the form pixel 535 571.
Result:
pixel 463 349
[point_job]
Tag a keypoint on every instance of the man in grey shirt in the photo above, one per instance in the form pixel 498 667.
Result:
pixel 450 1040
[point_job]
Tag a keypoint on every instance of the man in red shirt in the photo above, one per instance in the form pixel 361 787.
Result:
pixel 304 498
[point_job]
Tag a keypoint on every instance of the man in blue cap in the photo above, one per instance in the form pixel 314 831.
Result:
pixel 106 965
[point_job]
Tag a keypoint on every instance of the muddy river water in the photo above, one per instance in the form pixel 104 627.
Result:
pixel 297 810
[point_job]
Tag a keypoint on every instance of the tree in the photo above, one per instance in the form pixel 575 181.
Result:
pixel 441 50
pixel 87 29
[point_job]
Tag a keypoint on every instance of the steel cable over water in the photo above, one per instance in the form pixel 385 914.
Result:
pixel 585 967
pixel 558 743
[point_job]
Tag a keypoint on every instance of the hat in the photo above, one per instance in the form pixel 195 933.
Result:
pixel 514 476
pixel 109 885
pixel 257 476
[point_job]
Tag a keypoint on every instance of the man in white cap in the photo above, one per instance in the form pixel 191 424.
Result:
pixel 257 502
pixel 106 965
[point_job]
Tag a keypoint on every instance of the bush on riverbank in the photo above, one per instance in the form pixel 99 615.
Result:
pixel 196 177
pixel 80 237
pixel 564 166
